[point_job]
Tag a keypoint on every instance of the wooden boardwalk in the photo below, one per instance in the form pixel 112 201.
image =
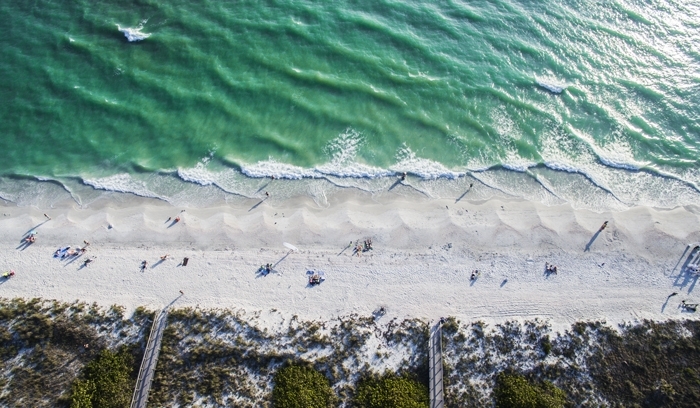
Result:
pixel 435 368
pixel 150 358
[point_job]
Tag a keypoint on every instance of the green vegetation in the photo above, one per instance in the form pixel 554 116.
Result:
pixel 225 358
pixel 391 391
pixel 45 344
pixel 650 364
pixel 106 382
pixel 298 386
pixel 514 391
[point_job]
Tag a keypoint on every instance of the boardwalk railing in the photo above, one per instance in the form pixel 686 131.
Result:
pixel 435 369
pixel 150 358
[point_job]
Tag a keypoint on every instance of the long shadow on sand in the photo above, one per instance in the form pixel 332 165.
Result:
pixel 35 227
pixel 257 205
pixel 344 249
pixel 281 259
pixel 663 307
pixel 263 187
pixel 73 259
pixel 174 300
pixel 396 183
pixel 24 245
pixel 158 263
pixel 593 238
pixel 681 258
pixel 685 276
pixel 463 194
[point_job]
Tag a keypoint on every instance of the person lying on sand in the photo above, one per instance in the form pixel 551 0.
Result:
pixel 689 306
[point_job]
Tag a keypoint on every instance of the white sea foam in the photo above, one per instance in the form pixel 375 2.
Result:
pixel 609 184
pixel 520 167
pixel 133 34
pixel 355 170
pixel 409 162
pixel 269 168
pixel 123 183
pixel 343 152
pixel 557 89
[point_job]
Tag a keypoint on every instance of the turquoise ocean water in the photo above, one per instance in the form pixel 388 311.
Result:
pixel 595 103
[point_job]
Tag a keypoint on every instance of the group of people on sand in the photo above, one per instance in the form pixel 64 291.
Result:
pixel 315 279
pixel 68 252
pixel 364 247
pixel 550 268
pixel 31 237
pixel 144 263
pixel 265 269
pixel 177 218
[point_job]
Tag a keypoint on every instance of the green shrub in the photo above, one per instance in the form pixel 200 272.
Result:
pixel 514 391
pixel 391 391
pixel 298 386
pixel 106 382
pixel 546 345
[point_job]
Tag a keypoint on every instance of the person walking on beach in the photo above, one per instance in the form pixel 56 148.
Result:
pixel 164 257
pixel 602 227
pixel 47 216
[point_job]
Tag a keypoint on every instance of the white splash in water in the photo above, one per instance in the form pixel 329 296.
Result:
pixel 557 89
pixel 133 34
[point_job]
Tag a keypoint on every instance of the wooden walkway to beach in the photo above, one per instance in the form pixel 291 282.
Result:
pixel 150 358
pixel 435 369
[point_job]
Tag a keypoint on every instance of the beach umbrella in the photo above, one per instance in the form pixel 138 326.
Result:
pixel 290 246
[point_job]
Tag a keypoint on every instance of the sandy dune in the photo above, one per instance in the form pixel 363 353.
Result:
pixel 423 256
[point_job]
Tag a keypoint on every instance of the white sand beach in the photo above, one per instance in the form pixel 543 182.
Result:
pixel 424 251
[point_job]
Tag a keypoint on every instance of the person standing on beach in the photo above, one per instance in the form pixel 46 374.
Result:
pixel 602 227
pixel 47 216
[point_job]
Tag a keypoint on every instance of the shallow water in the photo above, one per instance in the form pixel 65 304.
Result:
pixel 592 103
